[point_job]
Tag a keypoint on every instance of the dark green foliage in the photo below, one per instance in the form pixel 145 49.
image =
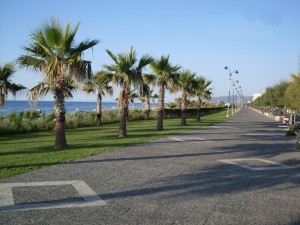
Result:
pixel 292 94
pixel 274 96
pixel 176 113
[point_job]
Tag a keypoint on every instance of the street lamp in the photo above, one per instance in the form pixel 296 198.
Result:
pixel 240 98
pixel 230 82
pixel 234 102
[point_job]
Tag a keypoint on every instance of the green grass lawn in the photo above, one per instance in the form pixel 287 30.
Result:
pixel 31 151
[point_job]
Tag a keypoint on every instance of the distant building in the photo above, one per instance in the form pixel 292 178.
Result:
pixel 256 95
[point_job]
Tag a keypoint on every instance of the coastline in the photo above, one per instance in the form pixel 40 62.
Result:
pixel 18 106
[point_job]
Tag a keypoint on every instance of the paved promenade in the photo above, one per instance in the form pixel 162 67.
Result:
pixel 243 171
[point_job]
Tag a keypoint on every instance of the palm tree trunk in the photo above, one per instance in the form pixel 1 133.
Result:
pixel 59 102
pixel 124 112
pixel 198 119
pixel 99 109
pixel 160 108
pixel 147 103
pixel 2 97
pixel 183 108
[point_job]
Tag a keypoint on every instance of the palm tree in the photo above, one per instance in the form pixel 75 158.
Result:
pixel 166 75
pixel 202 91
pixel 146 94
pixel 6 85
pixel 126 71
pixel 54 52
pixel 100 84
pixel 187 84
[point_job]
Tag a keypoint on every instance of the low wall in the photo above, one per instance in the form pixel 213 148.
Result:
pixel 276 118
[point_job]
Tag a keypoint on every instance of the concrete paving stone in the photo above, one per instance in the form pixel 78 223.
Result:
pixel 217 218
pixel 45 194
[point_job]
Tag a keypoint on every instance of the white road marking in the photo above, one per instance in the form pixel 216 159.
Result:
pixel 259 134
pixel 89 196
pixel 191 139
pixel 239 162
pixel 176 139
pixel 202 139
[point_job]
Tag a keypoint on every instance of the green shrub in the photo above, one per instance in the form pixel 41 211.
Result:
pixel 27 114
pixel 12 117
pixel 50 117
pixel 30 121
pixel 135 114
pixel 110 116
pixel 21 114
pixel 34 114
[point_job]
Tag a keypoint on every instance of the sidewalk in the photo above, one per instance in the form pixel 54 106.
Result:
pixel 244 171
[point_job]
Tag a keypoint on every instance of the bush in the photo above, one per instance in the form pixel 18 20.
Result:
pixel 27 114
pixel 12 117
pixel 30 121
pixel 135 114
pixel 50 117
pixel 110 116
pixel 34 114
pixel 176 113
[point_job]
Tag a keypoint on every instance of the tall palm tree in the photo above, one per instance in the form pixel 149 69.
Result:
pixel 187 84
pixel 100 84
pixel 166 75
pixel 202 91
pixel 54 52
pixel 146 93
pixel 6 85
pixel 126 71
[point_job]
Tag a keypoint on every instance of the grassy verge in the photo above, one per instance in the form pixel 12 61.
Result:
pixel 26 152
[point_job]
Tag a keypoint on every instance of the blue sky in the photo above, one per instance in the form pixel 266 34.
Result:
pixel 259 38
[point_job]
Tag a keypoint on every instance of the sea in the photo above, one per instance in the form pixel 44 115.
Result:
pixel 48 106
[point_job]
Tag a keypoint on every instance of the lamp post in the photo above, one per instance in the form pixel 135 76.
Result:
pixel 236 95
pixel 240 97
pixel 234 102
pixel 237 100
pixel 230 84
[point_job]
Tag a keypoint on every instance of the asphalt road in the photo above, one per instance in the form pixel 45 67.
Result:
pixel 243 171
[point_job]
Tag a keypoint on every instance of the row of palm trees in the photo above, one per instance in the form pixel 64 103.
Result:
pixel 126 72
pixel 54 52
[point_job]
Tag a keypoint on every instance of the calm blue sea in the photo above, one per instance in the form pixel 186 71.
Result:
pixel 48 106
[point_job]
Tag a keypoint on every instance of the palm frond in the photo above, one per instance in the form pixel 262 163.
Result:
pixel 112 56
pixel 89 87
pixel 38 90
pixel 84 45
